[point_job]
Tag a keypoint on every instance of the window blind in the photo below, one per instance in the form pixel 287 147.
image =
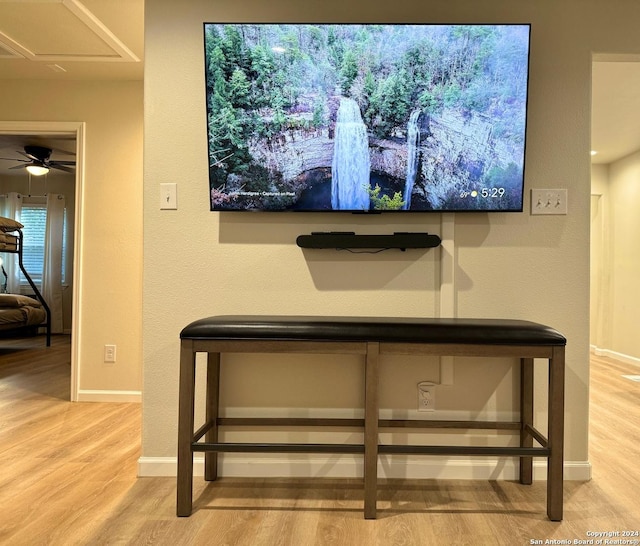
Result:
pixel 34 218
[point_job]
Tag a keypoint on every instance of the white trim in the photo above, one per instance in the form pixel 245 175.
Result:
pixel 93 23
pixel 78 260
pixel 87 395
pixel 7 52
pixel 350 466
pixel 627 359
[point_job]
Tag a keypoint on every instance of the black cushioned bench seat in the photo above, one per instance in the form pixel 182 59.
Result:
pixel 371 337
pixel 402 330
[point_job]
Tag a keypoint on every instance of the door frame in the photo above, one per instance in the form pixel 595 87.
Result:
pixel 45 128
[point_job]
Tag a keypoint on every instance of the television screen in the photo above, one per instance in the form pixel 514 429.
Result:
pixel 366 117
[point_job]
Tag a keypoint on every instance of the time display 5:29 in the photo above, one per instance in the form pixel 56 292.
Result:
pixel 492 192
pixel 486 193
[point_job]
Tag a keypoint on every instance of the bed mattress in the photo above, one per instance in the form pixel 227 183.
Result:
pixel 8 242
pixel 17 311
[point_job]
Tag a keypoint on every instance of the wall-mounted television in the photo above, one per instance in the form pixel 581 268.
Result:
pixel 366 117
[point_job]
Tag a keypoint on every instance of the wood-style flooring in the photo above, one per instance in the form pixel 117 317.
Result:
pixel 68 477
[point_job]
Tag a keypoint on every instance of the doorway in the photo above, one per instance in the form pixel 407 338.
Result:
pixel 615 224
pixel 76 131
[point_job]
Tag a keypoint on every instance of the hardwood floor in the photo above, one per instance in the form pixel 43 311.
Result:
pixel 68 477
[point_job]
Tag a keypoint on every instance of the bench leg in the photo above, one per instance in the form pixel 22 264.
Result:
pixel 185 429
pixel 213 404
pixel 526 418
pixel 556 435
pixel 371 430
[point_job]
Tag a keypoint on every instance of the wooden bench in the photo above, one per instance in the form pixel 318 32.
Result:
pixel 371 338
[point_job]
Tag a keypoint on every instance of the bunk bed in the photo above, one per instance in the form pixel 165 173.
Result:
pixel 20 313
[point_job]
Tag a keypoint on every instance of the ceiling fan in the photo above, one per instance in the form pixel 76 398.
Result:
pixel 38 161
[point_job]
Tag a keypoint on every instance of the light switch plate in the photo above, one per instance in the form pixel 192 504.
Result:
pixel 169 196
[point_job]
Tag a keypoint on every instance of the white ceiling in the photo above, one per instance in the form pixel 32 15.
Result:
pixel 72 39
pixel 104 40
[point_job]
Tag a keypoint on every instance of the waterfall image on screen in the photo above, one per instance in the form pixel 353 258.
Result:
pixel 413 141
pixel 366 118
pixel 350 167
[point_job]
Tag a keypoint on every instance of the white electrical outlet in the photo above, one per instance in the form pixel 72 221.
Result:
pixel 426 396
pixel 549 201
pixel 109 353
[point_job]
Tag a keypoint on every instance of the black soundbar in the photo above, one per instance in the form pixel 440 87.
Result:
pixel 348 239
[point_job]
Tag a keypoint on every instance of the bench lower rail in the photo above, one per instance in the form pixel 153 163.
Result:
pixel 359 423
pixel 245 447
pixel 229 447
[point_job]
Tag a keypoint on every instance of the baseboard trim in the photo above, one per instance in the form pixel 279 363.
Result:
pixel 109 396
pixel 627 359
pixel 349 466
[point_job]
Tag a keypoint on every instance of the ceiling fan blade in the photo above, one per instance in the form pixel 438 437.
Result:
pixel 60 167
pixel 14 159
pixel 58 151
pixel 52 163
pixel 17 167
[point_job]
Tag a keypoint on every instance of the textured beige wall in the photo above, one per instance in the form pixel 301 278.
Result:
pixel 622 269
pixel 199 263
pixel 600 258
pixel 111 272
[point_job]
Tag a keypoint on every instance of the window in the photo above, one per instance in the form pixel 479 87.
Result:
pixel 34 218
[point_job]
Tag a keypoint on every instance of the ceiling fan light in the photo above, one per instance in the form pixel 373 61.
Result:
pixel 37 170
